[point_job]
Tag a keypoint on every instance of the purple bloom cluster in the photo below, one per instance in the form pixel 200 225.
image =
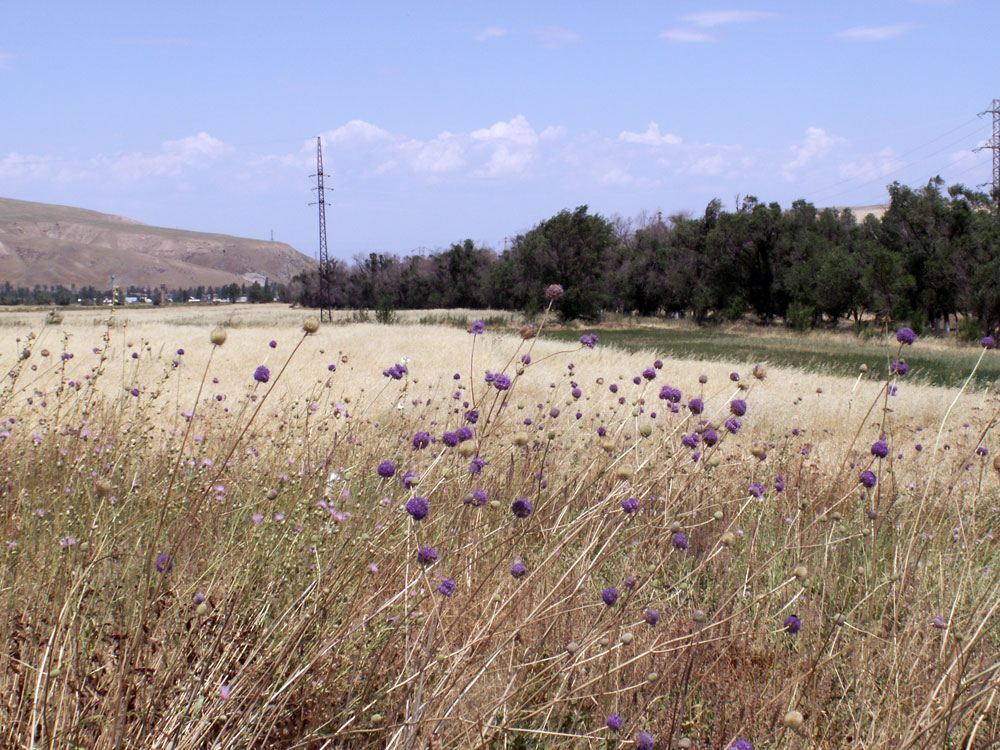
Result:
pixel 518 570
pixel 880 449
pixel 630 505
pixel 649 373
pixel 262 374
pixel 589 340
pixel 667 393
pixel 614 722
pixel 421 440
pixel 521 507
pixel 690 441
pixel 501 382
pixel 867 479
pixel 906 336
pixel 644 741
pixel 696 405
pixel 679 540
pixel 652 616
pixel 478 327
pixel 427 555
pixel 386 469
pixel 417 507
pixel 447 586
pixel 733 425
pixel 610 596
pixel 710 437
pixel 738 407
pixel 793 624
pixel 757 489
pixel 988 342
pixel 396 372
pixel 898 367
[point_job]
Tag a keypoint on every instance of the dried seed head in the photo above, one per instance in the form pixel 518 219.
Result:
pixel 760 371
pixel 218 336
pixel 794 719
pixel 729 539
pixel 652 677
pixel 528 331
pixel 103 487
pixel 863 369
pixel 572 647
pixel 698 616
pixel 520 439
pixel 801 572
pixel 626 638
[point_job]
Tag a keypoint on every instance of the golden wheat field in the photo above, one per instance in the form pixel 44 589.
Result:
pixel 414 536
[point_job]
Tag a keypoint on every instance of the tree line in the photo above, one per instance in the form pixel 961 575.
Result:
pixel 60 295
pixel 932 261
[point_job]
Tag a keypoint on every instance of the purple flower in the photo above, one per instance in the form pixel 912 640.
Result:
pixel 521 507
pixel 867 479
pixel 987 342
pixel 652 616
pixel 658 364
pixel 741 745
pixel 630 505
pixel 447 586
pixel 427 555
pixel 710 437
pixel 501 383
pixel 576 393
pixel 554 292
pixel 477 465
pixel 517 570
pixel 478 497
pixel 939 622
pixel 691 440
pixel 271 344
pixel 610 596
pixel 589 340
pixel 738 407
pixel 418 508
pixel 613 388
pixel 135 392
pixel 472 416
pixel 669 394
pixel 696 405
pixel 733 425
pixel 735 377
pixel 262 374
pixel 679 541
pixel 164 563
pixel 880 449
pixel 464 433
pixel 614 722
pixel 898 367
pixel 553 412
pixel 421 440
pixel 644 741
pixel 649 373
pixel 450 439
pixel 793 624
pixel 386 469
pixel 757 489
pixel 779 483
pixel 476 328
pixel 906 336
pixel 982 450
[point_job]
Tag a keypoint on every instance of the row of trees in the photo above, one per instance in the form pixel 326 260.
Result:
pixel 932 259
pixel 57 294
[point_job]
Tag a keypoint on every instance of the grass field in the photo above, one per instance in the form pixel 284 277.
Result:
pixel 408 536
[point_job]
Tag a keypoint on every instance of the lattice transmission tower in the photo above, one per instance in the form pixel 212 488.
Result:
pixel 994 145
pixel 325 280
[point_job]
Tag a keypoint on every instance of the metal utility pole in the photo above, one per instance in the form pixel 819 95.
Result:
pixel 325 307
pixel 993 144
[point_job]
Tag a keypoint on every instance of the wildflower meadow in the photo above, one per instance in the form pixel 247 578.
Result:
pixel 281 534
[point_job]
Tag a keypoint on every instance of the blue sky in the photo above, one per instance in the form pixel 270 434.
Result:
pixel 449 120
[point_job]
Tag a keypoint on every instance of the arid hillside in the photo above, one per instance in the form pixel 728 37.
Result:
pixel 47 244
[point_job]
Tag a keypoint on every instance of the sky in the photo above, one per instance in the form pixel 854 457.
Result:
pixel 453 119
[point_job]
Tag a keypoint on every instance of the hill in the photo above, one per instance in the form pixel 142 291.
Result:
pixel 47 244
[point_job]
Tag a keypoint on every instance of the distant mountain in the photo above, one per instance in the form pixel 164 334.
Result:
pixel 45 244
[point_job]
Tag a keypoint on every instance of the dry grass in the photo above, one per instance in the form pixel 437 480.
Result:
pixel 320 628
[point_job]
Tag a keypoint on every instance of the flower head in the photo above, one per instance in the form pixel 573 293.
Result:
pixel 476 328
pixel 757 489
pixel 262 374
pixel 652 616
pixel 741 745
pixel 738 407
pixel 679 540
pixel 447 586
pixel 501 382
pixel 696 405
pixel 987 342
pixel 386 469
pixel 793 624
pixel 644 741
pixel 898 367
pixel 418 508
pixel 906 336
pixel 164 563
pixel 518 569
pixel 880 449
pixel 868 479
pixel 521 507
pixel 630 505
pixel 614 722
pixel 554 292
pixel 589 340
pixel 610 595
pixel 421 440
pixel 427 555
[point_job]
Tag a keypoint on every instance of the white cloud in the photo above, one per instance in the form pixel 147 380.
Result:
pixel 686 36
pixel 195 151
pixel 354 131
pixel 552 132
pixel 874 33
pixel 707 166
pixel 555 37
pixel 710 18
pixel 618 177
pixel 652 137
pixel 517 130
pixel 870 166
pixel 815 145
pixel 492 32
pixel 25 166
pixel 443 153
